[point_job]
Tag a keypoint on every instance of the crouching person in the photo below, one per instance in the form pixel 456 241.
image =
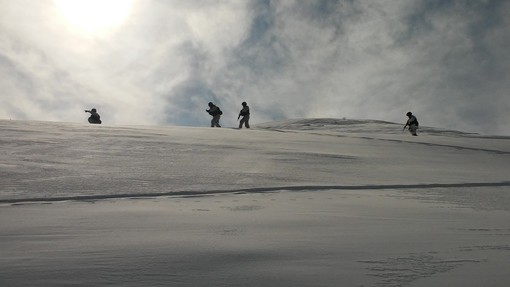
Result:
pixel 94 118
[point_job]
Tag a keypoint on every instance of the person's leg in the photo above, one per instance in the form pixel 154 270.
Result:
pixel 247 122
pixel 217 121
pixel 413 129
pixel 242 122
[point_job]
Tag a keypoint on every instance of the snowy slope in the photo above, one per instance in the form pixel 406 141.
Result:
pixel 313 202
pixel 56 161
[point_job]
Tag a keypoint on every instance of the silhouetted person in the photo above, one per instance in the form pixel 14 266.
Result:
pixel 94 116
pixel 412 122
pixel 216 113
pixel 245 113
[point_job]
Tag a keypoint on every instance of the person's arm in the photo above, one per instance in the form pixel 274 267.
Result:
pixel 244 111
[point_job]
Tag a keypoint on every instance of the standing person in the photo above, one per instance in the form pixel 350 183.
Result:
pixel 216 113
pixel 94 118
pixel 245 113
pixel 412 122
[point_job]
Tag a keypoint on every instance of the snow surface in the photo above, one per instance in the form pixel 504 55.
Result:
pixel 309 202
pixel 52 161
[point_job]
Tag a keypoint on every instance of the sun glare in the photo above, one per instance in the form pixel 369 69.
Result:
pixel 94 15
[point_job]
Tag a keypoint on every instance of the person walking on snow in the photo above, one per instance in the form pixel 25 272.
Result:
pixel 412 122
pixel 245 113
pixel 216 113
pixel 94 116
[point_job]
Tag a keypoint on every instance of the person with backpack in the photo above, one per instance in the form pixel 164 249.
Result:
pixel 216 113
pixel 245 113
pixel 94 118
pixel 412 122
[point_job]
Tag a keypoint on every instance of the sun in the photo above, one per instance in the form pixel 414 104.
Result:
pixel 94 15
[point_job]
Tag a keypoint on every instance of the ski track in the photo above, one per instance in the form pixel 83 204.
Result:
pixel 17 201
pixel 398 141
pixel 442 145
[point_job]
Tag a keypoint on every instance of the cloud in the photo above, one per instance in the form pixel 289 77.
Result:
pixel 446 61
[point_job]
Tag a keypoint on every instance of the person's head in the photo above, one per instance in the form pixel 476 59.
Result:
pixel 409 114
pixel 210 104
pixel 244 104
pixel 93 110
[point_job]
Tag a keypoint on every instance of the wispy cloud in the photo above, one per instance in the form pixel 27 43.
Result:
pixel 446 61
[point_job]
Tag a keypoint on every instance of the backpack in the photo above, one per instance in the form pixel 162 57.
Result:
pixel 415 122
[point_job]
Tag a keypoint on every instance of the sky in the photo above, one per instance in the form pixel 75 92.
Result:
pixel 159 62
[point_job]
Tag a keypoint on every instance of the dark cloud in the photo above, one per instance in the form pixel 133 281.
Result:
pixel 188 103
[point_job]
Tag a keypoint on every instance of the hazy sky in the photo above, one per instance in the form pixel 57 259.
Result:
pixel 161 61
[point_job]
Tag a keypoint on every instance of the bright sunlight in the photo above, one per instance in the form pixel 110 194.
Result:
pixel 94 15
